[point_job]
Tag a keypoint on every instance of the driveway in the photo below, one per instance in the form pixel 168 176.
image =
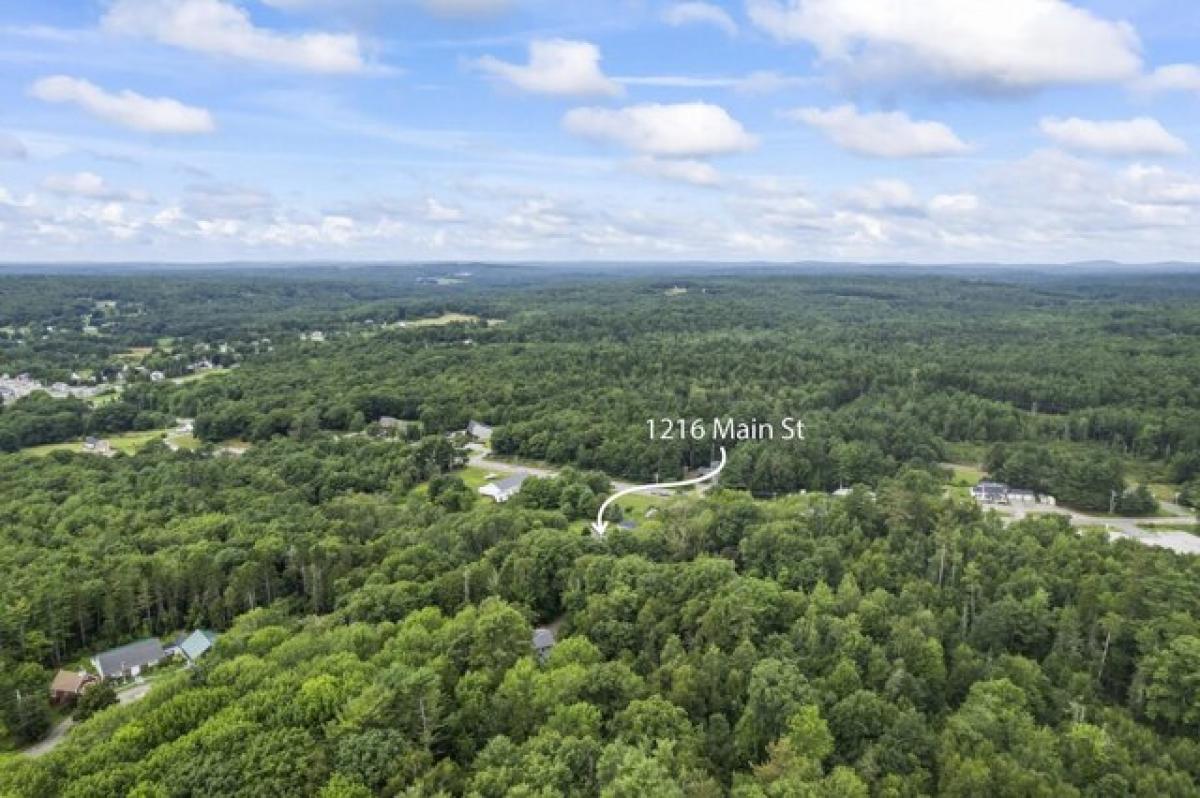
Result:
pixel 51 740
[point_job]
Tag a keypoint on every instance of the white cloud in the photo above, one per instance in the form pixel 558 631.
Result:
pixel 90 185
pixel 758 82
pixel 1155 185
pixel 881 135
pixel 11 148
pixel 1173 77
pixel 127 108
pixel 686 170
pixel 1121 137
pixel 684 130
pixel 437 212
pixel 995 46
pixel 556 66
pixel 216 27
pixel 700 14
pixel 947 204
pixel 884 195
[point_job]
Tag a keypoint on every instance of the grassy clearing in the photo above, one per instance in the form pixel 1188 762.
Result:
pixel 127 443
pixel 965 476
pixel 137 353
pixel 201 375
pixel 444 319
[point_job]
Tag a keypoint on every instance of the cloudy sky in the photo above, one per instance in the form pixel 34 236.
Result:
pixel 924 130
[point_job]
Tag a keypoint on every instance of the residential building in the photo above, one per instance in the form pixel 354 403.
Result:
pixel 197 644
pixel 479 431
pixel 68 685
pixel 543 642
pixel 130 660
pixel 990 492
pixel 505 489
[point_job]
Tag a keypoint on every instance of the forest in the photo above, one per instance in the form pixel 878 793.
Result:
pixel 375 612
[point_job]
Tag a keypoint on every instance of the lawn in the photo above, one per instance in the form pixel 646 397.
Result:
pixel 444 319
pixel 200 375
pixel 127 443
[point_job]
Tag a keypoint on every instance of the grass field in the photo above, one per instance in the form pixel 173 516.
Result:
pixel 444 319
pixel 127 443
pixel 135 353
pixel 200 375
pixel 106 398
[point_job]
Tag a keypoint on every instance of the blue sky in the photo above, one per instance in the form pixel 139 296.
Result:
pixel 929 131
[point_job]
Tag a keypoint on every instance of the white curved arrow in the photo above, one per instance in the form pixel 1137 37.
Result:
pixel 600 525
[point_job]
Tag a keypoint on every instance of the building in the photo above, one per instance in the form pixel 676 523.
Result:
pixel 389 423
pixel 479 431
pixel 543 642
pixel 128 661
pixel 94 445
pixel 999 493
pixel 505 489
pixel 197 644
pixel 69 685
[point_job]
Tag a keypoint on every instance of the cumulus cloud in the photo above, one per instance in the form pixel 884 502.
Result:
pixel 126 108
pixel 683 130
pixel 881 135
pixel 90 185
pixel 439 213
pixel 1016 45
pixel 557 67
pixel 884 195
pixel 220 28
pixel 1121 137
pixel 11 148
pixel 686 170
pixel 1173 77
pixel 700 14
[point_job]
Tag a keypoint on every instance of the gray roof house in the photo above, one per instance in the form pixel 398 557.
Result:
pixel 993 492
pixel 480 431
pixel 543 642
pixel 505 489
pixel 197 644
pixel 130 660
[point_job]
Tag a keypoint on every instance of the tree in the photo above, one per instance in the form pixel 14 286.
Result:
pixel 95 698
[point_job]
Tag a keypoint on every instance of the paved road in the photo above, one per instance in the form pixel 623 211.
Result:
pixel 479 459
pixel 1130 528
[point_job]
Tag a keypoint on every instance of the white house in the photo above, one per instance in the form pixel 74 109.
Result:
pixel 505 489
pixel 479 431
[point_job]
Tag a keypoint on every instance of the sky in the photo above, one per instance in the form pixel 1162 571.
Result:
pixel 930 131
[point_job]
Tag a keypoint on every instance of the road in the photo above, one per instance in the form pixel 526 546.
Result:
pixel 59 732
pixel 1129 528
pixel 479 459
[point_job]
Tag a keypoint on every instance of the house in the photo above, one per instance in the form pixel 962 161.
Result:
pixel 129 660
pixel 197 644
pixel 543 642
pixel 389 423
pixel 68 685
pixel 157 376
pixel 990 492
pixel 94 445
pixel 479 431
pixel 505 489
